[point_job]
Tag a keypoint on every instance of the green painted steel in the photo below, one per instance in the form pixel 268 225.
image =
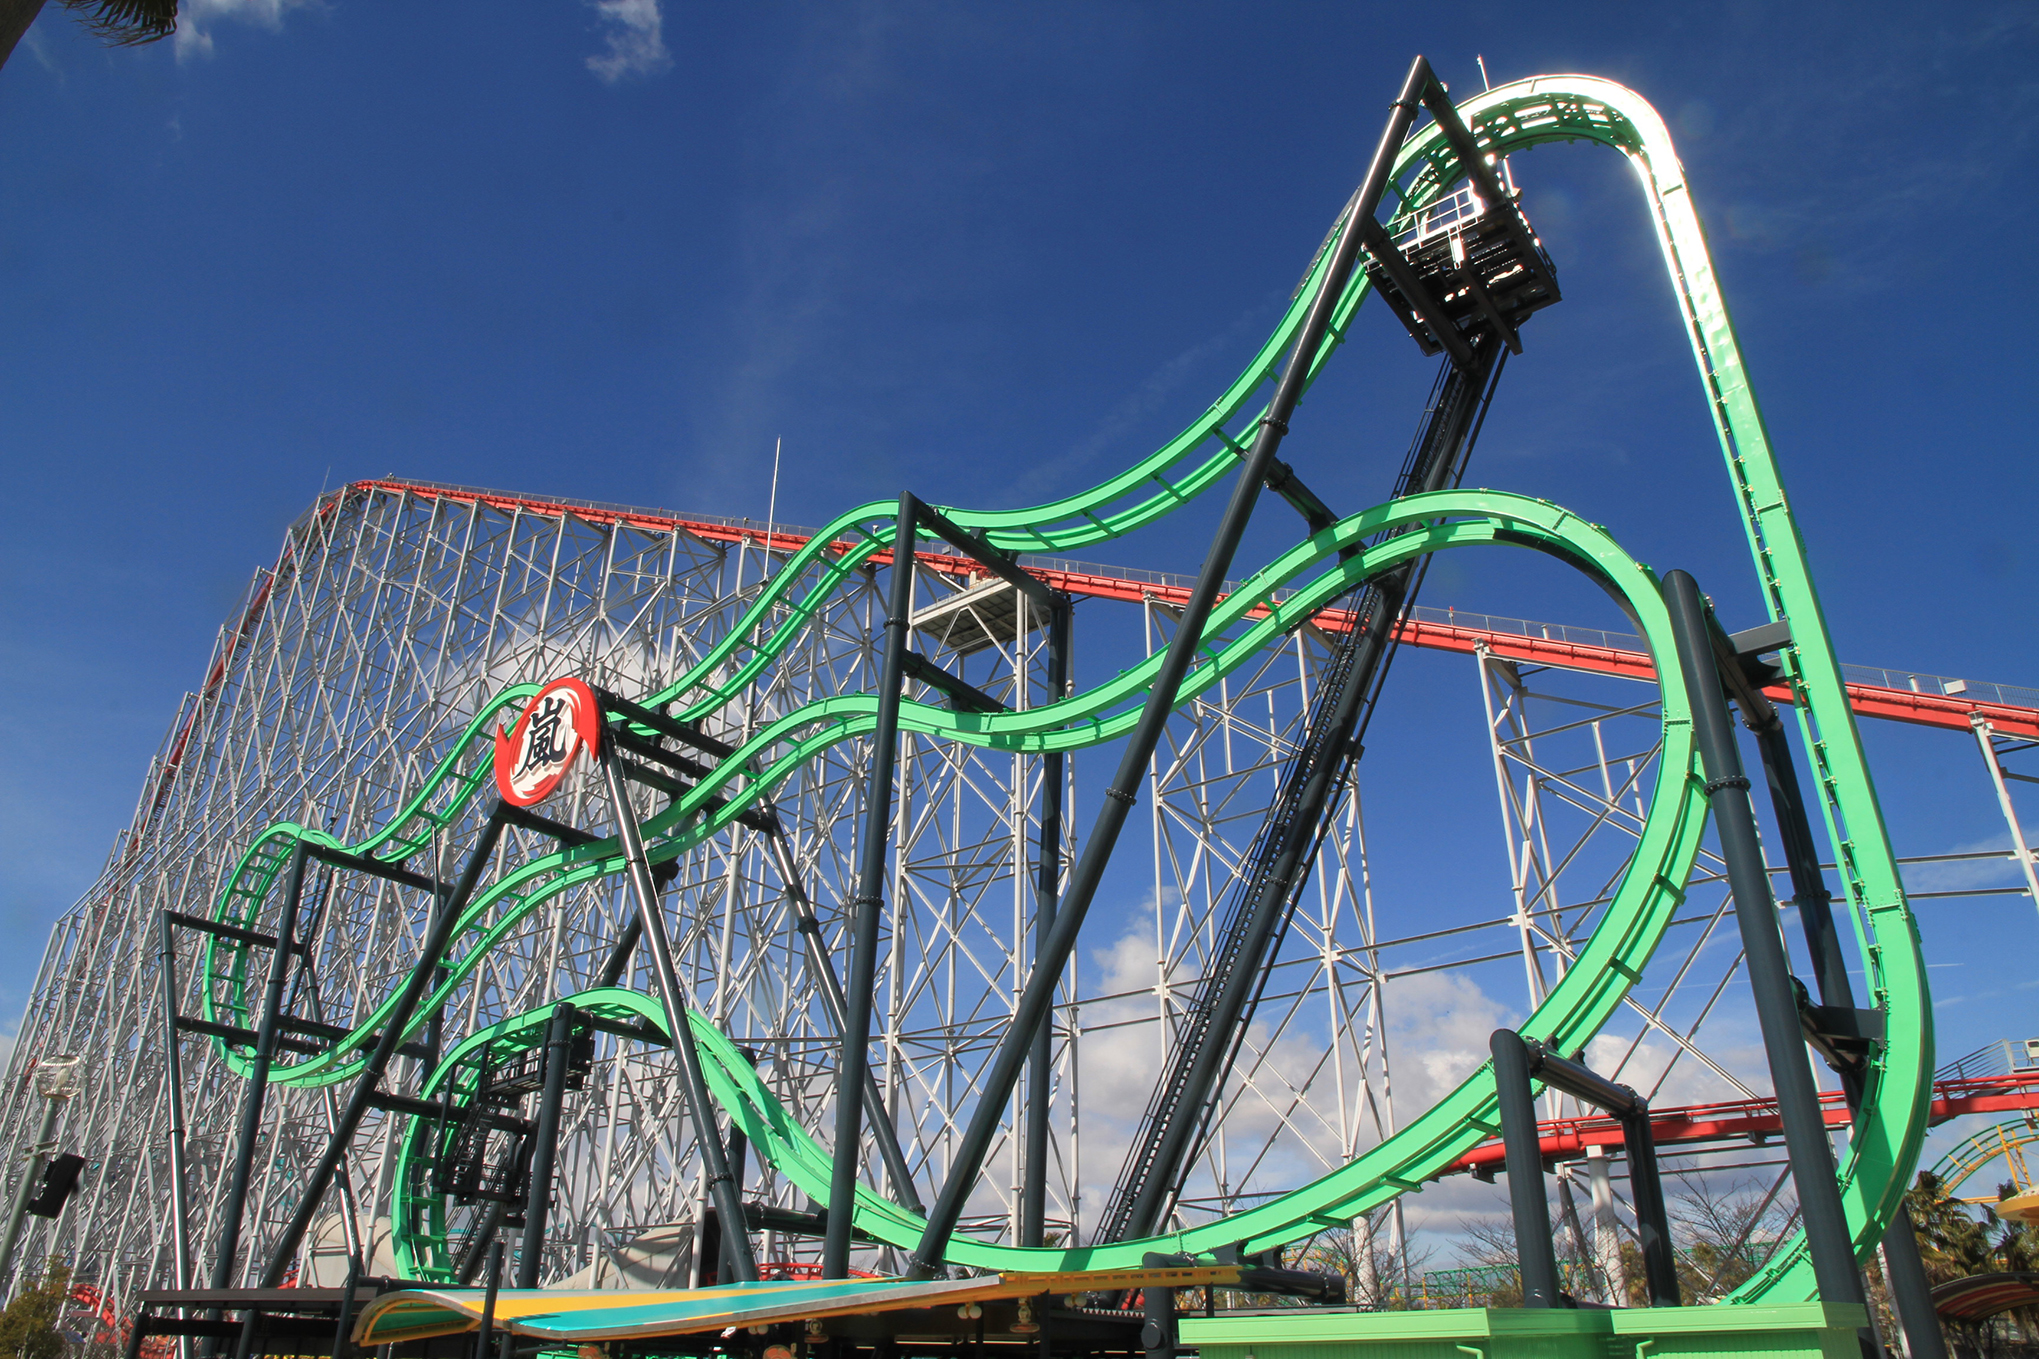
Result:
pixel 1509 119
pixel 1790 1331
pixel 417 1214
pixel 1314 575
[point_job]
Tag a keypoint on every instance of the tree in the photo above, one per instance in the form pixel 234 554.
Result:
pixel 1722 1236
pixel 120 23
pixel 1374 1274
pixel 28 1326
pixel 1952 1242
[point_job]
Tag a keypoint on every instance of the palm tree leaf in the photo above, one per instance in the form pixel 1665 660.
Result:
pixel 127 23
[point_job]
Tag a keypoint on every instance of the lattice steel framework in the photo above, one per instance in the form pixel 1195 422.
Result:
pixel 395 610
pixel 390 616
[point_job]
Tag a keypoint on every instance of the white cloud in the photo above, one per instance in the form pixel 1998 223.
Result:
pixel 195 17
pixel 633 30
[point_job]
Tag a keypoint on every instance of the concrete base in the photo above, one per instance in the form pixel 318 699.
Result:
pixel 1797 1331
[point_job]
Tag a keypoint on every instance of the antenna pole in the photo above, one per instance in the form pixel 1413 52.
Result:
pixel 772 506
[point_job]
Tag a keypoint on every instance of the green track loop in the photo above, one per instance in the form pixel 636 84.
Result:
pixel 1508 119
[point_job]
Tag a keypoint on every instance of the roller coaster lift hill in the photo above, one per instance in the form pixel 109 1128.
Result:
pixel 1460 267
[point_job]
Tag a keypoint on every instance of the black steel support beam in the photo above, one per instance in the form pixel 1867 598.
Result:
pixel 229 1243
pixel 1460 138
pixel 1037 997
pixel 341 1340
pixel 853 1063
pixel 1910 1290
pixel 1475 163
pixel 762 822
pixel 413 1107
pixel 377 868
pixel 960 692
pixel 1266 916
pixel 1283 481
pixel 1534 1249
pixel 1484 300
pixel 333 1033
pixel 173 1092
pixel 1582 1082
pixel 1652 1219
pixel 647 749
pixel 700 1107
pixel 221 929
pixel 1047 894
pixel 244 1037
pixel 617 964
pixel 1798 1108
pixel 636 1031
pixel 485 1337
pixel 665 726
pixel 995 560
pixel 1157 1309
pixel 1646 1185
pixel 570 836
pixel 1179 1114
pixel 376 1065
pixel 545 1152
pixel 737 1153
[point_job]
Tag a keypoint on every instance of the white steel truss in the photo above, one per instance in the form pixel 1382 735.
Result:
pixel 396 610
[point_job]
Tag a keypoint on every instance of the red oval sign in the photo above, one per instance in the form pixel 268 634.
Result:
pixel 532 757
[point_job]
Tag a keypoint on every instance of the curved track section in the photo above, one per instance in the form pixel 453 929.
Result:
pixel 2004 1141
pixel 1509 119
pixel 1573 1011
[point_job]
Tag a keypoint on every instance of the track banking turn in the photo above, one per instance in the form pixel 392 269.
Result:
pixel 1310 575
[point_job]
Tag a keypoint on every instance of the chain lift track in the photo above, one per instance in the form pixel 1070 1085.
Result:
pixel 1278 864
pixel 708 785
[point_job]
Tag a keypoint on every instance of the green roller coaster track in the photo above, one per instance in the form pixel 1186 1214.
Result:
pixel 1885 1142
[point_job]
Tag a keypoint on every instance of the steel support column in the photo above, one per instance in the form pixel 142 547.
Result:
pixel 1037 997
pixel 1534 1249
pixel 1652 1221
pixel 173 1099
pixel 1910 1290
pixel 377 1063
pixel 44 1140
pixel 700 1108
pixel 484 1336
pixel 1798 1107
pixel 545 1151
pixel 1047 892
pixel 258 1078
pixel 853 1063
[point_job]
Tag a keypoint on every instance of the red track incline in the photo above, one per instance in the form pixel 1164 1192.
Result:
pixel 1947 711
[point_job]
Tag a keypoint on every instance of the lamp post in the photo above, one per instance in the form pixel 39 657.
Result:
pixel 56 1080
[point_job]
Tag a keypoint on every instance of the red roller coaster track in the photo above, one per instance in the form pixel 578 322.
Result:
pixel 1946 711
pixel 1949 711
pixel 1753 1120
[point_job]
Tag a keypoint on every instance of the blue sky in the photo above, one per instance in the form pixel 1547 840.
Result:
pixel 987 252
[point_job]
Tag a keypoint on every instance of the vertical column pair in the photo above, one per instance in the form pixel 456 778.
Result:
pixel 1711 669
pixel 853 1075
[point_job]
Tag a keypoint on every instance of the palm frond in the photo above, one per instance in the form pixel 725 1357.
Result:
pixel 127 23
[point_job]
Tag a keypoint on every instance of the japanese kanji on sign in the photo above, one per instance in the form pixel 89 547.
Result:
pixel 533 756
